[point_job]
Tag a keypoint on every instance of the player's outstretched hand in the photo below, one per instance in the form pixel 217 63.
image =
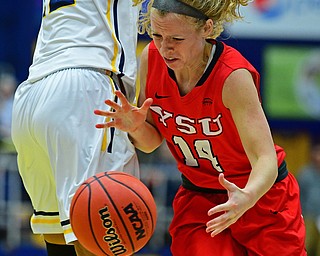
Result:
pixel 238 203
pixel 125 117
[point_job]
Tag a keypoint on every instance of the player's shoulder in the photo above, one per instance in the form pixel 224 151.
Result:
pixel 144 56
pixel 231 56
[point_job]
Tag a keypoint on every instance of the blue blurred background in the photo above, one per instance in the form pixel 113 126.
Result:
pixel 281 38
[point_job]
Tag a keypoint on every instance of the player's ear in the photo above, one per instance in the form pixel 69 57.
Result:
pixel 208 28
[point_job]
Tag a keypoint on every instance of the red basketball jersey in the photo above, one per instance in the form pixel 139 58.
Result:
pixel 198 128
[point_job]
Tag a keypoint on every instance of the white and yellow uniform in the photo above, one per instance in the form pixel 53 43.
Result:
pixel 53 126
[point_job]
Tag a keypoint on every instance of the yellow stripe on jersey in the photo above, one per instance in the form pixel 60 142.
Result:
pixel 116 48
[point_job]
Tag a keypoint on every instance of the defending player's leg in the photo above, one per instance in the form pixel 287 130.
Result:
pixel 60 249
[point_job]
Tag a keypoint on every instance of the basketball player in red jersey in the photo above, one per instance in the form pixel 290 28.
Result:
pixel 202 96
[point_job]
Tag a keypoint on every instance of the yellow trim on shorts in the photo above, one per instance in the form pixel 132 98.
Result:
pixel 45 221
pixel 107 119
pixel 67 231
pixel 105 137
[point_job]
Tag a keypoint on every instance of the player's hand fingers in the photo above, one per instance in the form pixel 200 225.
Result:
pixel 99 112
pixel 103 125
pixel 225 216
pixel 219 208
pixel 126 106
pixel 121 96
pixel 223 221
pixel 215 229
pixel 113 104
pixel 230 187
pixel 111 123
pixel 146 104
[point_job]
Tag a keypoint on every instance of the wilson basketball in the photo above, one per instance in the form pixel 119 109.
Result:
pixel 113 213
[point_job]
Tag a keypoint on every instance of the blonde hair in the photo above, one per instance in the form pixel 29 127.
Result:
pixel 219 11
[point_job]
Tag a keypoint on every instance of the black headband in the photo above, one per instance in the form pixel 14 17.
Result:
pixel 176 6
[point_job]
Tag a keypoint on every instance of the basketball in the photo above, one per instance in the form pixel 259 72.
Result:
pixel 113 213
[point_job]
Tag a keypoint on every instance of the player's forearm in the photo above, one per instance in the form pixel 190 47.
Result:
pixel 263 175
pixel 146 138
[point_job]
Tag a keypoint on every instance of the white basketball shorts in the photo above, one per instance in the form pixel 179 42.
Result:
pixel 53 129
